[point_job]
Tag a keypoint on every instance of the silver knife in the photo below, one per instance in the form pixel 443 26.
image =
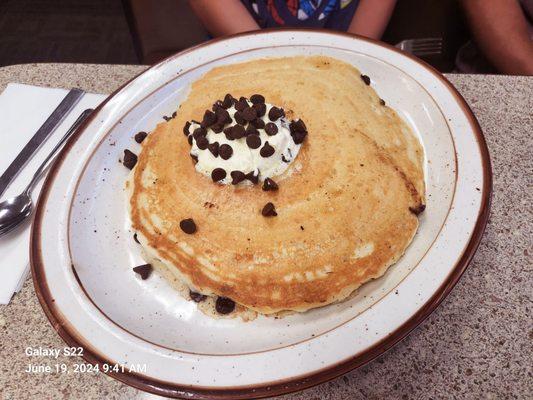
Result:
pixel 53 121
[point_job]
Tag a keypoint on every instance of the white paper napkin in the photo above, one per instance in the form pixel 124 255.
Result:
pixel 23 109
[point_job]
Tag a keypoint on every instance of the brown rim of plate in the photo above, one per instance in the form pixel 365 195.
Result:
pixel 300 382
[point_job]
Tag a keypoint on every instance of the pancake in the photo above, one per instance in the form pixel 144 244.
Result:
pixel 346 207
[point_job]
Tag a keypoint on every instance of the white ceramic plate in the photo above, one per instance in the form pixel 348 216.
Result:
pixel 83 251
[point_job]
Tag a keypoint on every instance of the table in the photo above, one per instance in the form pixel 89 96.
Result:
pixel 477 344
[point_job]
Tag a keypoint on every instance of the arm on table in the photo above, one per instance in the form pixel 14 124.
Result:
pixel 371 18
pixel 223 17
pixel 500 30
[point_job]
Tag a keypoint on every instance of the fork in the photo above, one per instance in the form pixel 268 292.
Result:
pixel 421 47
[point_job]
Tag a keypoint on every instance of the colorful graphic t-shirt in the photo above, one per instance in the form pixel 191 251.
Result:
pixel 330 14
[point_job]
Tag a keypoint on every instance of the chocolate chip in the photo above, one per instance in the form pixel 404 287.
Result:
pixel 366 79
pixel 258 123
pixel 298 131
pixel 260 108
pixel 209 119
pixel 257 98
pixel 189 139
pixel 238 131
pixel 267 150
pixel 275 113
pixel 129 160
pixel 252 177
pixel 218 127
pixel 237 176
pixel 241 104
pixel 197 297
pixel 143 270
pixel 249 114
pixel 239 118
pixel 194 158
pixel 202 143
pixel 213 148
pixel 228 101
pixel 224 305
pixel 186 128
pixel 188 226
pixel 418 209
pixel 136 239
pixel 218 174
pixel 166 118
pixel 382 102
pixel 269 185
pixel 253 141
pixel 269 210
pixel 229 132
pixel 139 137
pixel 225 151
pixel 223 116
pixel 199 132
pixel 271 129
pixel 251 130
pixel 284 159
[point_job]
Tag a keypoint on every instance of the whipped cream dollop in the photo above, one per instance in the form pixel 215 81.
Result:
pixel 245 140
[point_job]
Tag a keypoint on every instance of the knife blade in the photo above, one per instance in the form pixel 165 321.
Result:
pixel 42 134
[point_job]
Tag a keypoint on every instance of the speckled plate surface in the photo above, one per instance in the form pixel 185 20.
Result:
pixel 82 249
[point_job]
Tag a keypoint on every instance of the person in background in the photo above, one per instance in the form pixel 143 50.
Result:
pixel 503 37
pixel 363 17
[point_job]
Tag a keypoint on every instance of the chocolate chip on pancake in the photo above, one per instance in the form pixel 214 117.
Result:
pixel 258 123
pixel 225 151
pixel 213 148
pixel 188 226
pixel 382 102
pixel 136 239
pixel 238 131
pixel 202 143
pixel 269 185
pixel 209 119
pixel 224 305
pixel 249 114
pixel 269 210
pixel 251 130
pixel 199 132
pixel 129 160
pixel 267 150
pixel 260 108
pixel 252 177
pixel 241 104
pixel 194 158
pixel 218 127
pixel 186 128
pixel 239 118
pixel 271 129
pixel 257 98
pixel 237 177
pixel 144 271
pixel 228 101
pixel 197 297
pixel 253 141
pixel 139 137
pixel 218 174
pixel 366 79
pixel 298 131
pixel 275 113
pixel 418 209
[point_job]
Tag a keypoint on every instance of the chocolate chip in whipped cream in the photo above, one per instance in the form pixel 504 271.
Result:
pixel 224 305
pixel 228 101
pixel 213 148
pixel 143 270
pixel 209 119
pixel 186 128
pixel 218 174
pixel 275 113
pixel 139 137
pixel 229 133
pixel 267 150
pixel 366 79
pixel 253 141
pixel 199 132
pixel 298 131
pixel 241 104
pixel 197 297
pixel 269 210
pixel 257 99
pixel 218 127
pixel 189 139
pixel 130 159
pixel 249 114
pixel 238 131
pixel 202 143
pixel 252 177
pixel 223 116
pixel 237 177
pixel 136 238
pixel 251 130
pixel 194 158
pixel 225 151
pixel 260 109
pixel 271 129
pixel 269 185
pixel 258 123
pixel 239 118
pixel 188 226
